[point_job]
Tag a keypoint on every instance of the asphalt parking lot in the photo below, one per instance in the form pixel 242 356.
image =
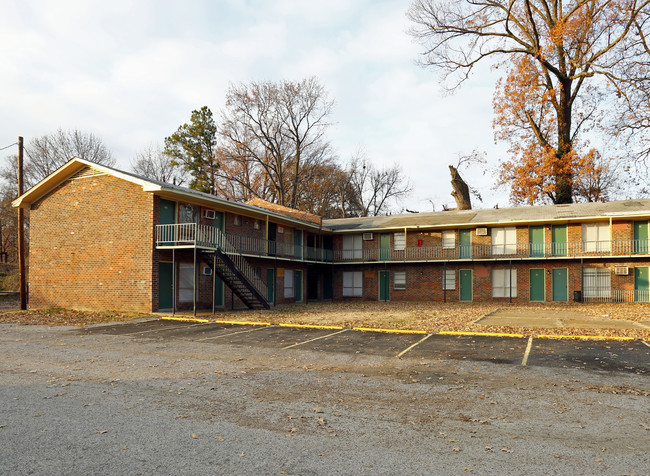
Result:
pixel 604 355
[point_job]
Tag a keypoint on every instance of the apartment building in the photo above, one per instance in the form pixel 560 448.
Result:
pixel 101 238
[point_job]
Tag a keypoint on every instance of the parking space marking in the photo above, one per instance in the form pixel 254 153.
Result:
pixel 232 333
pixel 559 336
pixel 315 338
pixel 645 343
pixel 163 329
pixel 309 326
pixel 395 331
pixel 491 334
pixel 399 356
pixel 527 351
pixel 185 319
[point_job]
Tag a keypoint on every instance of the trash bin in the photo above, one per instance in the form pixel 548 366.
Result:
pixel 577 296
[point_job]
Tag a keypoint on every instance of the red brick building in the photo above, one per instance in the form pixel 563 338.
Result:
pixel 101 238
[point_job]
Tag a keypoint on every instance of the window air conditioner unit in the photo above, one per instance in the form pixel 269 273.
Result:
pixel 209 214
pixel 481 231
pixel 207 271
pixel 368 237
pixel 621 270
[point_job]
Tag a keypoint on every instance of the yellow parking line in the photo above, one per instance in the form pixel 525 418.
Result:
pixel 185 319
pixel 310 326
pixel 244 323
pixel 493 334
pixel 397 331
pixel 557 336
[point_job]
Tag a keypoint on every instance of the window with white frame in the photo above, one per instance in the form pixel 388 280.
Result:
pixel 504 283
pixel 236 220
pixel 504 241
pixel 399 241
pixel 352 247
pixel 449 279
pixel 288 283
pixel 399 280
pixel 595 237
pixel 596 283
pixel 352 283
pixel 449 239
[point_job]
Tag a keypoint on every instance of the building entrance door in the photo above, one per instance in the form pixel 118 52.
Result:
pixel 465 284
pixel 560 284
pixel 641 281
pixel 537 284
pixel 384 285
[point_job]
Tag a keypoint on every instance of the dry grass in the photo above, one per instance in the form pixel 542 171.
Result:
pixel 424 316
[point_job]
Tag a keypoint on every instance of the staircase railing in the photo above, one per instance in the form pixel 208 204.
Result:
pixel 207 236
pixel 239 261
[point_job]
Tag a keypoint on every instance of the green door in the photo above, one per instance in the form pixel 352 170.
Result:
pixel 536 241
pixel 641 237
pixel 641 281
pixel 165 285
pixel 537 284
pixel 384 285
pixel 167 217
pixel 384 246
pixel 270 285
pixel 465 284
pixel 560 284
pixel 218 291
pixel 298 285
pixel 558 233
pixel 465 243
pixel 328 285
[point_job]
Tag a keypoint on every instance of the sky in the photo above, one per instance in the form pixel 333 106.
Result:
pixel 131 72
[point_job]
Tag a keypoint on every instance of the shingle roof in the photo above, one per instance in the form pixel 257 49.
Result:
pixel 292 212
pixel 545 213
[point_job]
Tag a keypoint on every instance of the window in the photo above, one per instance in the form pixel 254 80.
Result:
pixel 352 283
pixel 504 241
pixel 352 247
pixel 595 237
pixel 449 239
pixel 399 280
pixel 185 282
pixel 256 224
pixel 288 283
pixel 236 220
pixel 449 279
pixel 504 283
pixel 597 283
pixel 399 241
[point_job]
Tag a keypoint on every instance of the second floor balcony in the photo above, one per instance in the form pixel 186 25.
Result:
pixel 202 236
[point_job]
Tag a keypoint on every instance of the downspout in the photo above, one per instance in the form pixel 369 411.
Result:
pixel 444 282
pixel 214 280
pixel 510 282
pixel 194 283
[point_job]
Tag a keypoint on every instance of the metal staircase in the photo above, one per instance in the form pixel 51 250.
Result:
pixel 242 286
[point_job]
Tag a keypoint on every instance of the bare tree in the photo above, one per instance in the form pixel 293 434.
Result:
pixel 273 135
pixel 47 153
pixel 374 191
pixel 152 162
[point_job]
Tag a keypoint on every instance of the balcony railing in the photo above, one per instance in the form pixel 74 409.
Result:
pixel 502 251
pixel 191 234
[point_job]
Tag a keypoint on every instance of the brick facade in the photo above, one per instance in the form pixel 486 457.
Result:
pixel 91 246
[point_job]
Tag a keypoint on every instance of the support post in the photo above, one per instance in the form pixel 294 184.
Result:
pixel 21 232
pixel 214 280
pixel 194 283
pixel 173 281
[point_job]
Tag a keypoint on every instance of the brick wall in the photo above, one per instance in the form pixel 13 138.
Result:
pixel 91 246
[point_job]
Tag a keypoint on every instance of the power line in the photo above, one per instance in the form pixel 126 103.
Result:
pixel 10 145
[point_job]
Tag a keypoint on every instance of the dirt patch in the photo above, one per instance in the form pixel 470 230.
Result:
pixel 423 316
pixel 65 317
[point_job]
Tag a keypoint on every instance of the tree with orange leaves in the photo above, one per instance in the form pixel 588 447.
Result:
pixel 567 63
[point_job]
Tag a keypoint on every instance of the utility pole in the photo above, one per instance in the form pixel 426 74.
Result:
pixel 21 232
